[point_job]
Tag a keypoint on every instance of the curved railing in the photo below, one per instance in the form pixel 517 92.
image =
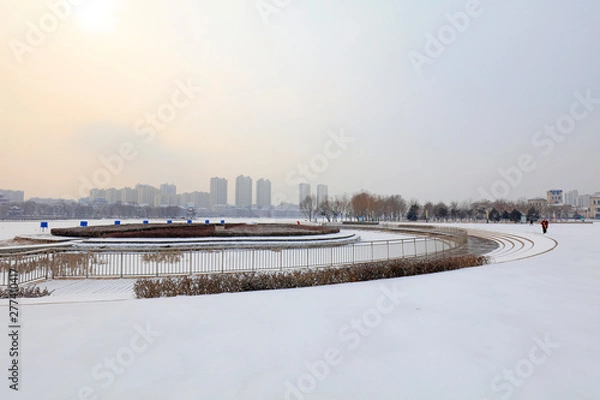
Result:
pixel 41 262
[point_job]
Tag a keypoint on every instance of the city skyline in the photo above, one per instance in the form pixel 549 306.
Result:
pixel 572 197
pixel 167 194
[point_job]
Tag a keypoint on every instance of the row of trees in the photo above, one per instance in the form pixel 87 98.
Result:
pixel 365 206
pixel 362 206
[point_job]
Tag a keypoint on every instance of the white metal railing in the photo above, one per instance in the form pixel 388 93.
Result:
pixel 64 262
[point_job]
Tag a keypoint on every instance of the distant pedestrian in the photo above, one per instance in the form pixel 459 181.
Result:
pixel 545 226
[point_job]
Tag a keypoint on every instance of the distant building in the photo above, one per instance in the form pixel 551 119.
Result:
pixel 584 201
pixel 146 194
pixel 201 199
pixel 594 209
pixel 14 196
pixel 304 189
pixel 263 193
pixel 243 191
pixel 98 195
pixel 128 195
pixel 14 212
pixel 168 189
pixel 571 197
pixel 554 197
pixel 167 195
pixel 218 191
pixel 538 203
pixel 112 195
pixel 322 194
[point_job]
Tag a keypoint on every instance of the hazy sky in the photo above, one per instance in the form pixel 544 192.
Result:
pixel 385 96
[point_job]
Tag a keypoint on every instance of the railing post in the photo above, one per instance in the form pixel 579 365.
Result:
pixel 252 251
pixel 353 251
pixel 191 253
pixel 222 260
pixel 87 266
pixel 388 250
pixel 281 259
pixel 307 258
pixel 402 242
pixel 121 262
pixel 372 252
pixel 331 257
pixel 415 242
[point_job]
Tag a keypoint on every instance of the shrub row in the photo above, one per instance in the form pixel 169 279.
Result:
pixel 25 292
pixel 251 281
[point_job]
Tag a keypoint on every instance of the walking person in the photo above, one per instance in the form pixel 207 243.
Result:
pixel 545 226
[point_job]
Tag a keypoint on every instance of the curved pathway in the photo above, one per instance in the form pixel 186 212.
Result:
pixel 513 247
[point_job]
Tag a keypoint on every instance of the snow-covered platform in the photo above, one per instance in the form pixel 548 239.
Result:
pixel 521 329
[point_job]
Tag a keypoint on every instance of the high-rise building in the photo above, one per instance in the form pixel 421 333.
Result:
pixel 218 191
pixel 167 195
pixel 571 197
pixel 167 189
pixel 243 191
pixel 146 194
pixel 128 195
pixel 304 189
pixel 112 195
pixel 321 194
pixel 201 199
pixel 98 194
pixel 263 193
pixel 197 199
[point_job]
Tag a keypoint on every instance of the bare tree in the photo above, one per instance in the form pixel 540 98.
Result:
pixel 308 207
pixel 361 205
pixel 325 209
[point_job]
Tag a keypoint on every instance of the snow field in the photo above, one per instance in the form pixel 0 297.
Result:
pixel 526 329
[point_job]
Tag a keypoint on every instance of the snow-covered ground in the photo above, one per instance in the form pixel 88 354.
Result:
pixel 525 329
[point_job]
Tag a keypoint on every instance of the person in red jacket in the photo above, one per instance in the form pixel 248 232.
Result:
pixel 545 226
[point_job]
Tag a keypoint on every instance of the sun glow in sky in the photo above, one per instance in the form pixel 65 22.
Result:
pixel 97 16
